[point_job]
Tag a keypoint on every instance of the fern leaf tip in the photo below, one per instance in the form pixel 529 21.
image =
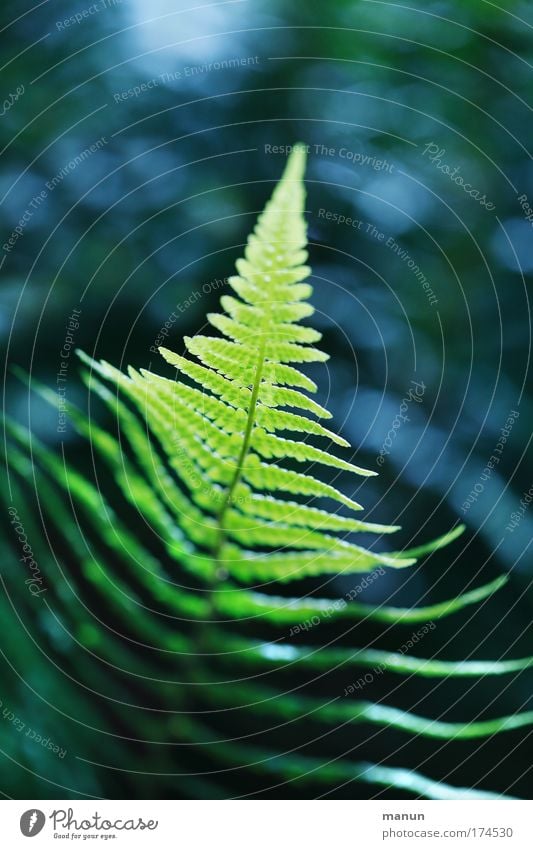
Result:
pixel 296 162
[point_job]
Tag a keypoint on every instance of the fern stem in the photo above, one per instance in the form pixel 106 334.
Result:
pixel 221 532
pixel 243 452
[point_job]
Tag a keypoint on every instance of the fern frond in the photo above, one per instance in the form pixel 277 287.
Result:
pixel 245 651
pixel 290 707
pixel 207 463
pixel 283 610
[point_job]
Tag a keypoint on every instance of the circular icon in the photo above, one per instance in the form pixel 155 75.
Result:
pixel 32 822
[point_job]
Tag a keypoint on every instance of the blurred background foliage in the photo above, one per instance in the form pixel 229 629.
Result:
pixel 139 232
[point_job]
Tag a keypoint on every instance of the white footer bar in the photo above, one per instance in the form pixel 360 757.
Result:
pixel 267 824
